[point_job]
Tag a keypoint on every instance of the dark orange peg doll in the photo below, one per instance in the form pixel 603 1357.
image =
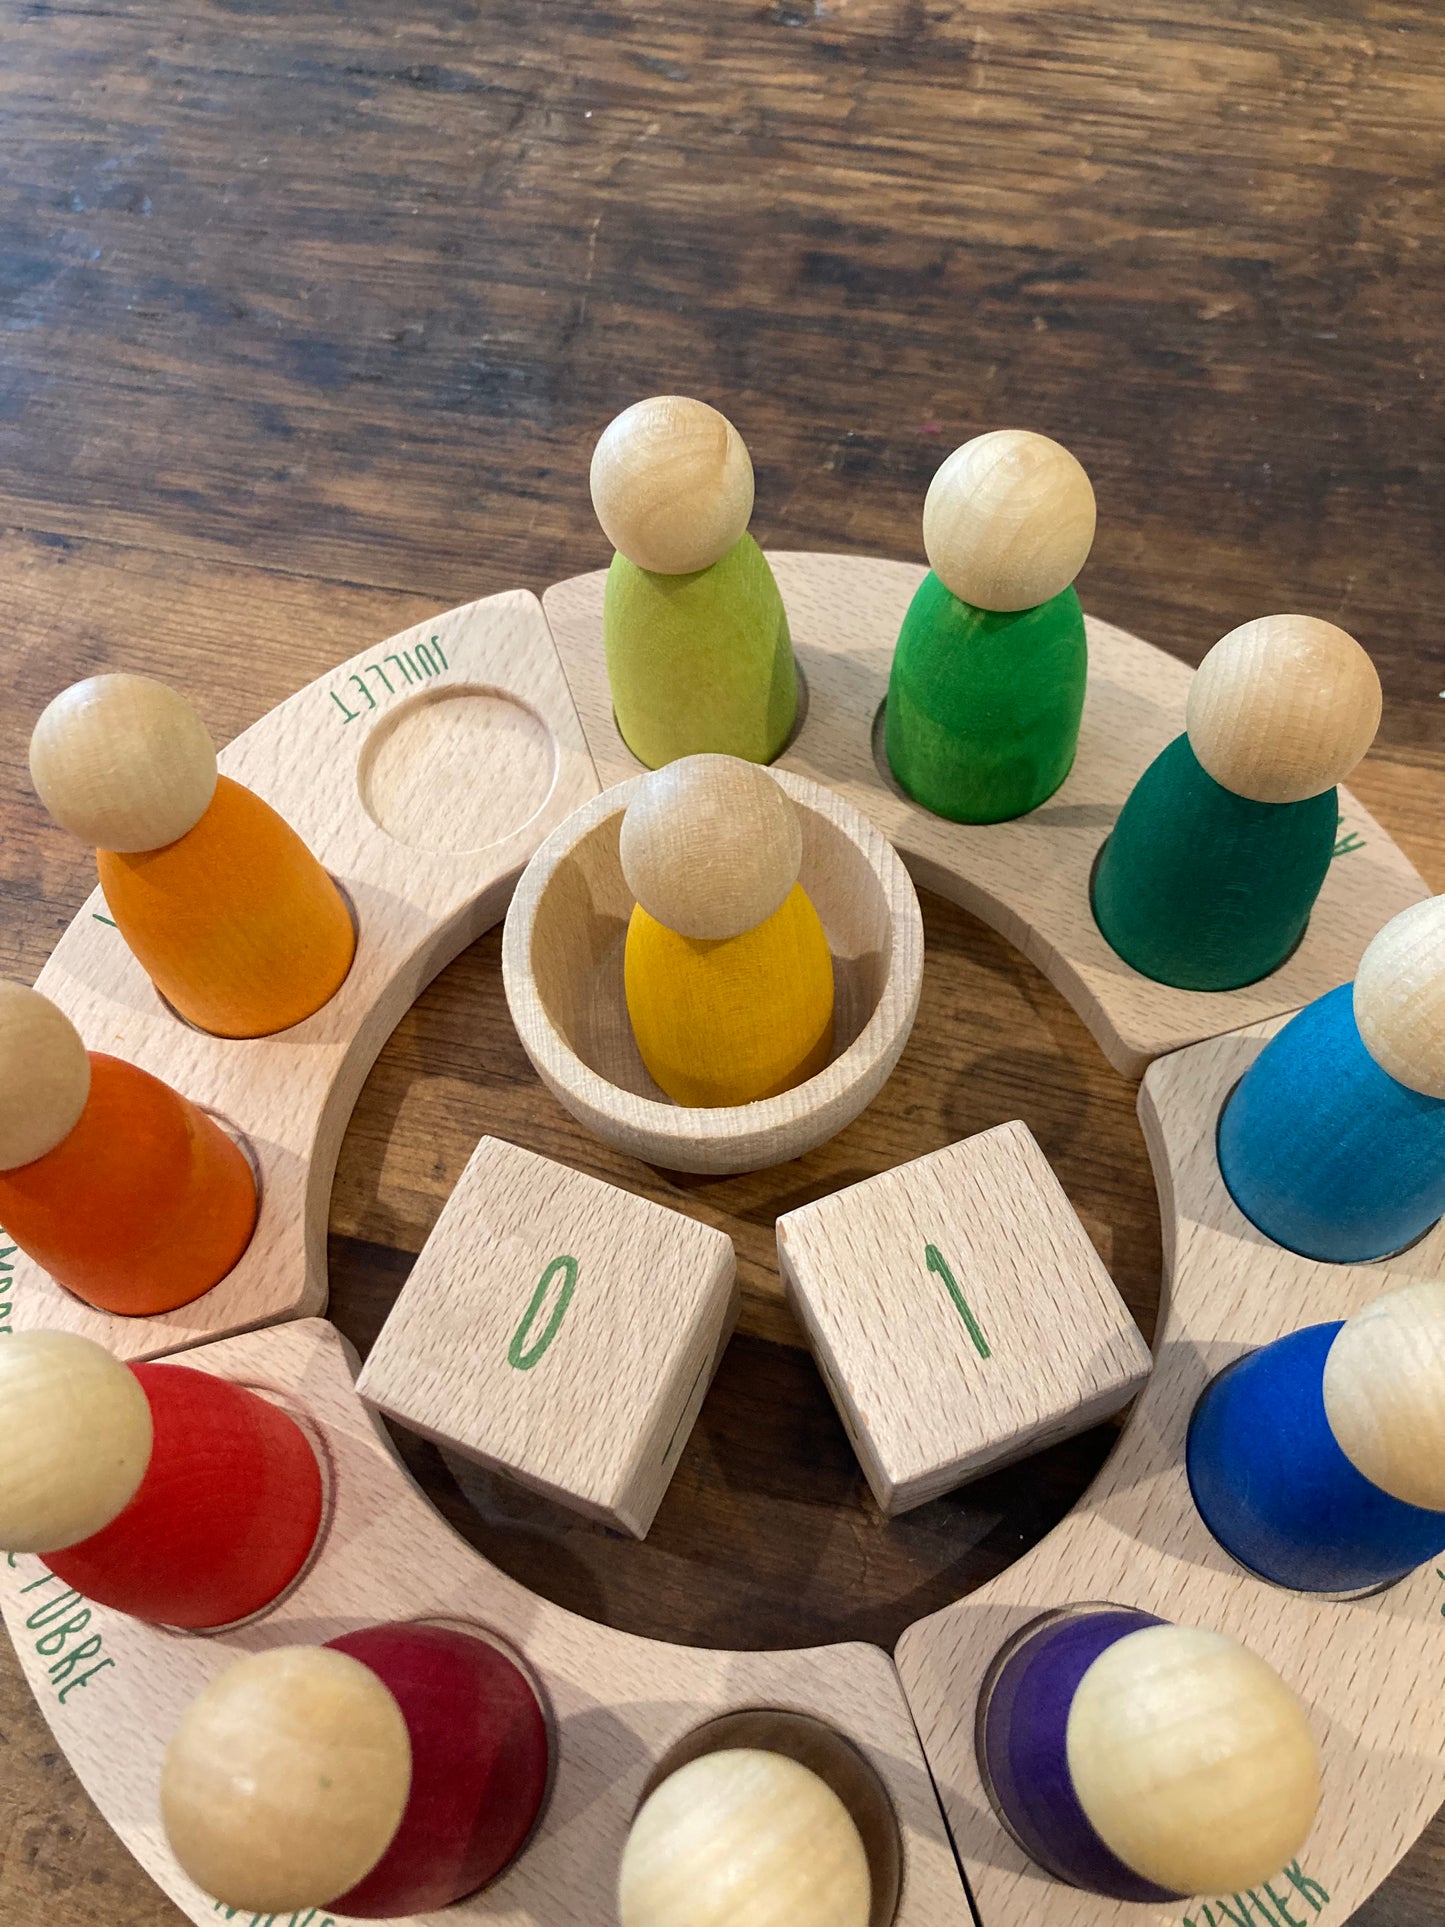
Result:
pixel 128 1194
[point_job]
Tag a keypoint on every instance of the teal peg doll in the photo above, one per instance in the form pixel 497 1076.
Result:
pixel 1214 864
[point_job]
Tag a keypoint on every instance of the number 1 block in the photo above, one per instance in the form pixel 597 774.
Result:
pixel 959 1314
pixel 559 1330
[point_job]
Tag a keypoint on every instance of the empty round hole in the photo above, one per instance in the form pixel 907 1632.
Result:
pixel 457 769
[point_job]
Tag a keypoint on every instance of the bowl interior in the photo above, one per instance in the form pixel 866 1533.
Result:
pixel 580 931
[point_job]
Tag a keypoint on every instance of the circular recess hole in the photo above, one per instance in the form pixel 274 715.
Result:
pixel 457 769
pixel 837 1763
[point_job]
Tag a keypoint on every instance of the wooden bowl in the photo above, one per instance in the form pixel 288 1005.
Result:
pixel 562 966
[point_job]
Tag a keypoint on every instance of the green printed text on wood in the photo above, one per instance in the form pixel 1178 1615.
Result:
pixel 313 1917
pixel 519 1354
pixel 59 1625
pixel 413 665
pixel 1266 1908
pixel 938 1265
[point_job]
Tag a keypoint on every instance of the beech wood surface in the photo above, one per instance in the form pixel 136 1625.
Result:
pixel 311 316
pixel 1139 1538
pixel 619 1707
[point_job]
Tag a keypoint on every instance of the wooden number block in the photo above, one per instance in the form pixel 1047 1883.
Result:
pixel 560 1330
pixel 959 1314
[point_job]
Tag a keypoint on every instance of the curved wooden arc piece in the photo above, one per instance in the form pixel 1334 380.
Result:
pixel 1367 1671
pixel 478 694
pixel 619 1704
pixel 1029 878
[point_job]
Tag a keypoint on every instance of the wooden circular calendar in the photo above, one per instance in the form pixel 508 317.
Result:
pixel 516 688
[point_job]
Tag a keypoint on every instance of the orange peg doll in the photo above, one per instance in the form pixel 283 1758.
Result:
pixel 233 918
pixel 121 1188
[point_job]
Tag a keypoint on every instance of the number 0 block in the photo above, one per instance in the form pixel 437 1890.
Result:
pixel 959 1314
pixel 559 1330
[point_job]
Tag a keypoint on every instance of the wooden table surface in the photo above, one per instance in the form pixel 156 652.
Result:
pixel 311 312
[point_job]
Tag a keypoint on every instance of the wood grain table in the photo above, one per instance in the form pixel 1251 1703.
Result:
pixel 311 311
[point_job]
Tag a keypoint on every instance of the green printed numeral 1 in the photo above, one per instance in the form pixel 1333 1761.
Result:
pixel 938 1265
pixel 518 1354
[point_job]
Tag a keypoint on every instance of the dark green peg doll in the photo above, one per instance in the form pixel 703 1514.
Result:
pixel 1213 867
pixel 988 677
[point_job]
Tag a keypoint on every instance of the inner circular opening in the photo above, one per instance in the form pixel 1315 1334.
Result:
pixel 838 1764
pixel 580 934
pixel 767 1536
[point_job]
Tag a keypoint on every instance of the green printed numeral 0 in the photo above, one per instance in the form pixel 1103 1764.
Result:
pixel 518 1354
pixel 938 1265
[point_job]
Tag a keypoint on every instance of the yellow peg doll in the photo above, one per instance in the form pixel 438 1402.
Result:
pixel 728 974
